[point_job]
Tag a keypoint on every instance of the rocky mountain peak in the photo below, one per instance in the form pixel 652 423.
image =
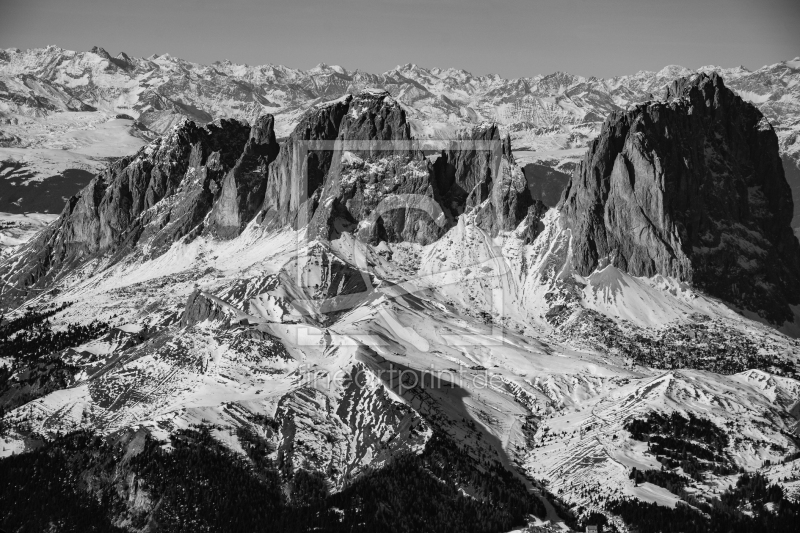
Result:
pixel 375 183
pixel 122 60
pixel 672 71
pixel 375 116
pixel 350 165
pixel 100 51
pixel 188 254
pixel 294 184
pixel 262 133
pixel 705 88
pixel 155 197
pixel 244 185
pixel 690 186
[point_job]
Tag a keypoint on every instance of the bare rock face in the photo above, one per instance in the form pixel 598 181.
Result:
pixel 478 171
pixel 379 186
pixel 244 186
pixel 791 165
pixel 546 183
pixel 122 61
pixel 690 186
pixel 200 307
pixel 157 196
pixel 383 188
pixel 466 168
pixel 296 176
pixel 351 165
pixel 510 199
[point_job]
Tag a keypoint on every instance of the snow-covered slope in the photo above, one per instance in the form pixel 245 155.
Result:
pixel 231 339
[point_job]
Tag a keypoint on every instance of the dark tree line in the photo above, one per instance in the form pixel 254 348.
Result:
pixel 37 339
pixel 671 481
pixel 695 444
pixel 38 490
pixel 200 485
pixel 704 345
pixel 740 509
pixel 30 318
pixel 419 493
pixel 34 348
pixel 753 489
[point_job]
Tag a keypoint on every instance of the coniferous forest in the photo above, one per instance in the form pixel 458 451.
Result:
pixel 31 337
pixel 752 505
pixel 35 348
pixel 81 482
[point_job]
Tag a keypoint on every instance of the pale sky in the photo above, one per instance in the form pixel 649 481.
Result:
pixel 512 38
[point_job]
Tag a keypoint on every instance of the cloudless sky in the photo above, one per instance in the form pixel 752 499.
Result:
pixel 512 38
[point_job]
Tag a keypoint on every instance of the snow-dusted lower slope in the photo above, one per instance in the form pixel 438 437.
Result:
pixel 359 352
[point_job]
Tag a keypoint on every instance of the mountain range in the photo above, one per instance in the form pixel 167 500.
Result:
pixel 419 301
pixel 551 118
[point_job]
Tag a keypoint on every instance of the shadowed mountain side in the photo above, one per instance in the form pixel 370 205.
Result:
pixel 350 165
pixel 690 186
pixel 244 186
pixel 792 169
pixel 123 205
pixel 545 183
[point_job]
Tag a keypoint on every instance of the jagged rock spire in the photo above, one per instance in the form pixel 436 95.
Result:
pixel 690 186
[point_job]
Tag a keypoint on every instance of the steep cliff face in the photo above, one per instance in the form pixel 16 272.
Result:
pixel 200 307
pixel 690 186
pixel 298 173
pixel 379 186
pixel 510 199
pixel 479 172
pixel 465 175
pixel 244 186
pixel 155 197
pixel 382 187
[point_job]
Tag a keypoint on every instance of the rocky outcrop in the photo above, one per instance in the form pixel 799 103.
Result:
pixel 478 171
pixel 350 166
pixel 244 186
pixel 201 307
pixel 122 61
pixel 379 186
pixel 384 189
pixel 154 198
pixel 296 176
pixel 510 199
pixel 690 186
pixel 465 169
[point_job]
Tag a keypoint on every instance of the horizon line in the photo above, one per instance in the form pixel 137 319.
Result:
pixel 397 67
